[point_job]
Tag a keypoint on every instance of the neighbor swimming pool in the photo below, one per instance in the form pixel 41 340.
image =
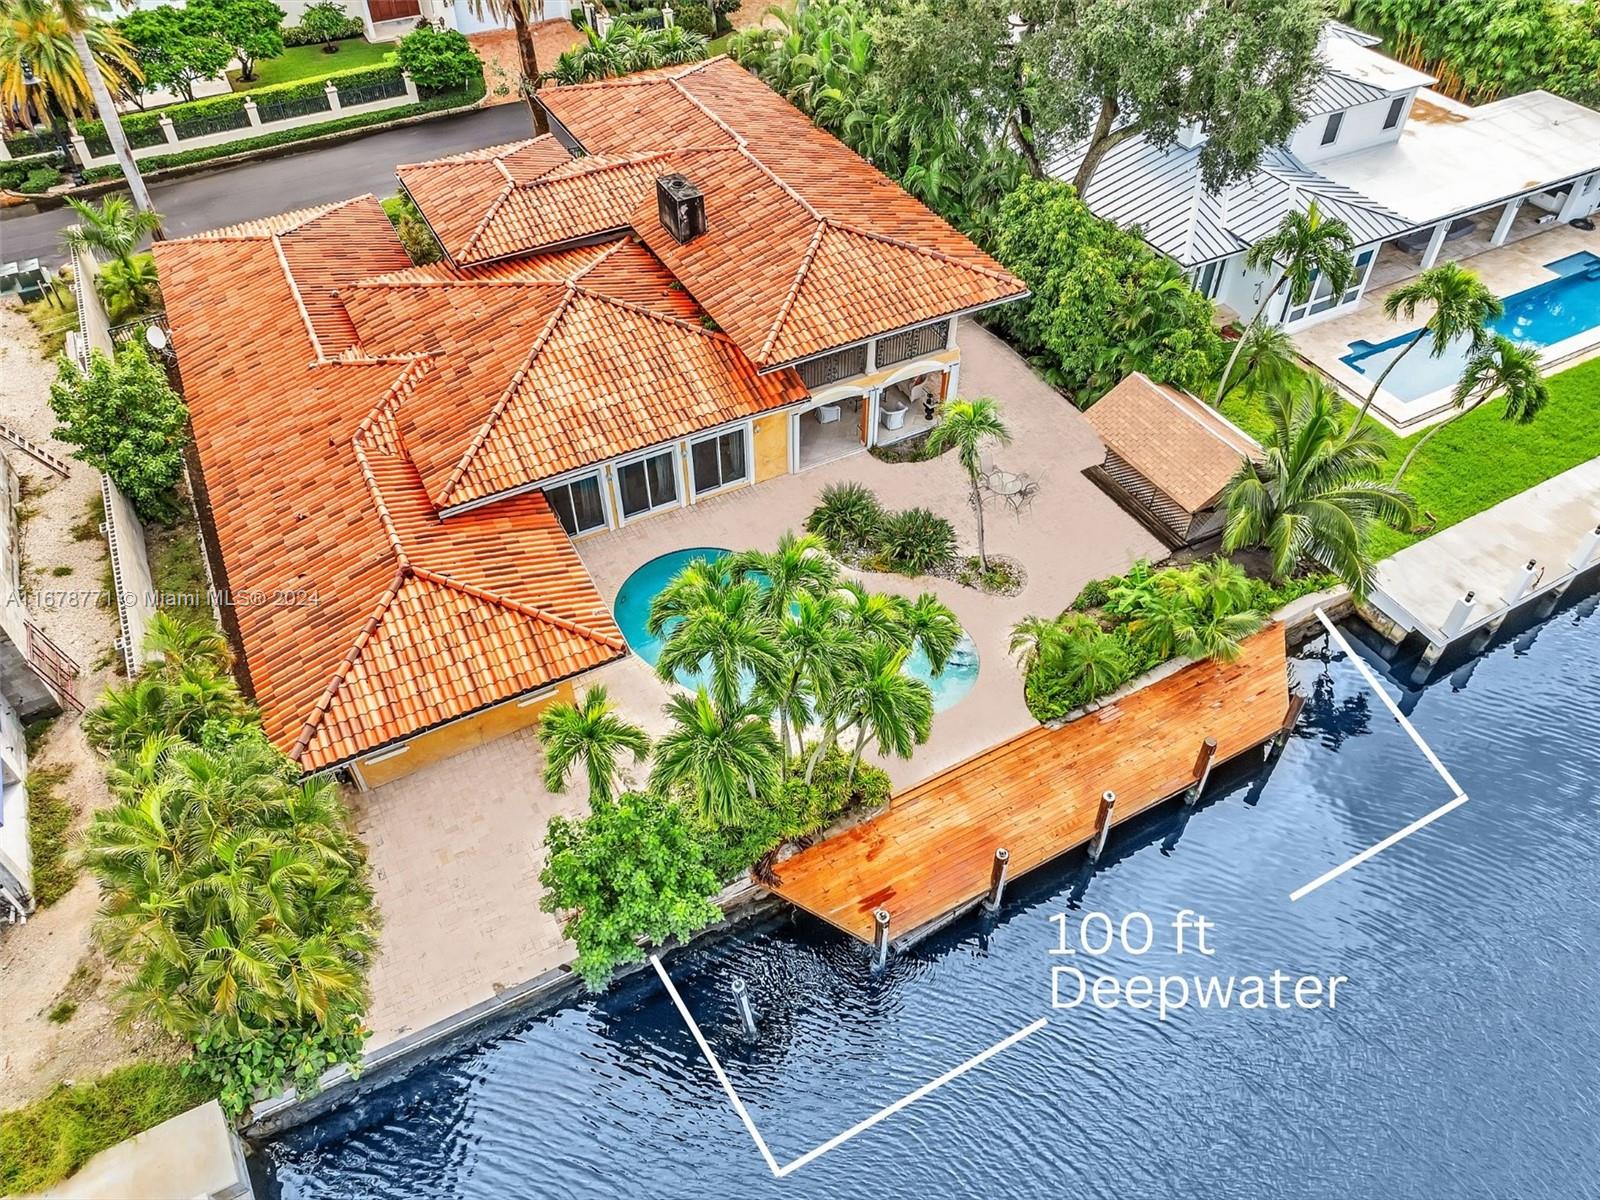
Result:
pixel 640 589
pixel 1541 316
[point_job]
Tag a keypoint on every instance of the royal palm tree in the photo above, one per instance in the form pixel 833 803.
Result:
pixel 799 565
pixel 1462 309
pixel 930 624
pixel 722 760
pixel 731 634
pixel 814 641
pixel 1305 247
pixel 522 16
pixel 73 52
pixel 1498 367
pixel 969 426
pixel 589 732
pixel 1315 493
pixel 1267 354
pixel 882 704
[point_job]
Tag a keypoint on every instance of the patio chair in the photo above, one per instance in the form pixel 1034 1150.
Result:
pixel 1022 499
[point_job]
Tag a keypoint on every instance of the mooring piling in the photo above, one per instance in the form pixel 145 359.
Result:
pixel 1202 769
pixel 880 937
pixel 1102 828
pixel 997 880
pixel 741 1003
pixel 1280 739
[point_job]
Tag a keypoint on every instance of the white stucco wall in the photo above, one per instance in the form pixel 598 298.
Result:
pixel 1362 128
pixel 16 860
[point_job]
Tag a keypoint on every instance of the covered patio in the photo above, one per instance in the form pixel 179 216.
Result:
pixel 1072 533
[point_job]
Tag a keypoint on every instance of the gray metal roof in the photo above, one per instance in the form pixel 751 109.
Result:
pixel 1160 192
pixel 1334 91
pixel 1349 33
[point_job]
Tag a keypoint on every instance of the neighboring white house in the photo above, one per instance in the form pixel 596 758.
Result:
pixel 1401 165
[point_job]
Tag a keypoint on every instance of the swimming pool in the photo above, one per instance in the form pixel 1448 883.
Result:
pixel 632 610
pixel 1541 316
pixel 1461 1061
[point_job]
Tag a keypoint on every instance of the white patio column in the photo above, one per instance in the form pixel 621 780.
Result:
pixel 1435 244
pixel 1508 217
pixel 1576 204
pixel 874 408
pixel 954 375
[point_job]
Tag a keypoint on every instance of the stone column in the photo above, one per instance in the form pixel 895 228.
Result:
pixel 168 129
pixel 334 104
pixel 252 113
pixel 411 87
pixel 1508 216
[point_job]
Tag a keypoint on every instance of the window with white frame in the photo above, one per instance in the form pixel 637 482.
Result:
pixel 1208 280
pixel 579 504
pixel 719 460
pixel 1330 131
pixel 648 483
pixel 1322 298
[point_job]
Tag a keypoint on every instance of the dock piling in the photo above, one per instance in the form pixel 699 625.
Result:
pixel 1202 770
pixel 880 937
pixel 1102 829
pixel 1281 739
pixel 1526 580
pixel 741 1002
pixel 997 880
pixel 1588 550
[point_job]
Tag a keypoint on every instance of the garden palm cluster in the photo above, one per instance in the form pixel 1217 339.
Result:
pixel 233 897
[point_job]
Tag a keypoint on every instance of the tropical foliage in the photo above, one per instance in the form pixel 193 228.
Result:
pixel 175 50
pixel 522 16
pixel 969 427
pixel 234 900
pixel 1483 49
pixel 36 43
pixel 591 734
pixel 439 60
pixel 1315 495
pixel 1498 367
pixel 625 48
pixel 125 419
pixel 855 527
pixel 1103 304
pixel 111 232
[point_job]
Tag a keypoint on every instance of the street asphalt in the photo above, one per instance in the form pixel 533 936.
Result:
pixel 194 203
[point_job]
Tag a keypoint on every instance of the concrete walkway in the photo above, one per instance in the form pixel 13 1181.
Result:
pixel 1487 553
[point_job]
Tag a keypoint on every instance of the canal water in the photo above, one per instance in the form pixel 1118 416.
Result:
pixel 1461 1059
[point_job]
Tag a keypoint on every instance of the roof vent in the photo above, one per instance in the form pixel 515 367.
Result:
pixel 682 205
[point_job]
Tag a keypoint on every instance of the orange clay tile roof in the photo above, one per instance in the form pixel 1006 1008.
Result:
pixel 363 617
pixel 1175 440
pixel 807 246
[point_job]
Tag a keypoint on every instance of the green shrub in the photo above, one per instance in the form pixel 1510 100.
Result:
pixel 126 420
pixel 439 60
pixel 238 1069
pixel 326 23
pixel 47 1141
pixel 849 518
pixel 916 542
pixel 412 230
pixel 298 35
pixel 696 18
pixel 39 179
pixel 49 830
pixel 650 18
pixel 1093 594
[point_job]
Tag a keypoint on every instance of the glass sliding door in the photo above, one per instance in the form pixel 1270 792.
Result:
pixel 1322 297
pixel 578 503
pixel 649 483
pixel 718 461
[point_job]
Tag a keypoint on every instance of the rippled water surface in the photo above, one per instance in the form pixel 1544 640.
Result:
pixel 1463 1059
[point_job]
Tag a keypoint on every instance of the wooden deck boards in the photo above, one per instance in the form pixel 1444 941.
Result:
pixel 1037 795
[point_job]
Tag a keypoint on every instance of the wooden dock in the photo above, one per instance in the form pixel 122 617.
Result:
pixel 930 854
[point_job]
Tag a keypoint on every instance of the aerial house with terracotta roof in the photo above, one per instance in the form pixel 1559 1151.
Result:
pixel 1169 457
pixel 685 290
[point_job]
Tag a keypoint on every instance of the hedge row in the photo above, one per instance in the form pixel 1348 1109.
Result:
pixel 197 117
pixel 293 35
pixel 284 137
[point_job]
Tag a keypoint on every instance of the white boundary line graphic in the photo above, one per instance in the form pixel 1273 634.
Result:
pixel 861 1126
pixel 1459 797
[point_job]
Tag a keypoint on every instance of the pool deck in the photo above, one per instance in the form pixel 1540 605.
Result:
pixel 929 856
pixel 1506 270
pixel 1417 589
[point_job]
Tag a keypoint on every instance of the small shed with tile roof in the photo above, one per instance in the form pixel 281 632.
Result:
pixel 1169 457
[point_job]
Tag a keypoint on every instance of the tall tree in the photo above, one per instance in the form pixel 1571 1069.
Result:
pixel 799 565
pixel 111 229
pixel 813 643
pixel 522 15
pixel 968 426
pixel 591 733
pixel 882 704
pixel 81 17
pixel 1240 69
pixel 251 29
pixel 1316 493
pixel 175 50
pixel 1462 309
pixel 1304 247
pixel 732 636
pixel 1498 367
pixel 722 760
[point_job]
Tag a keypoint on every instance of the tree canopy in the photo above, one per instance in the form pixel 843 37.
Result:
pixel 175 51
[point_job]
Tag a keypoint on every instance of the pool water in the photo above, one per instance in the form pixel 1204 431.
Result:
pixel 1461 1061
pixel 640 589
pixel 1541 316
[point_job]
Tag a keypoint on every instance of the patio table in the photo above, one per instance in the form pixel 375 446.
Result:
pixel 1005 483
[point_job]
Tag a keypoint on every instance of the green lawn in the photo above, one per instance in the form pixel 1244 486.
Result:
pixel 1480 460
pixel 309 62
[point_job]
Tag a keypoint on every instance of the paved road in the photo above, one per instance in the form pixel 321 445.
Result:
pixel 195 203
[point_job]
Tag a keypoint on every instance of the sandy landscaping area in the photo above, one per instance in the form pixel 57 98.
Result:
pixel 49 960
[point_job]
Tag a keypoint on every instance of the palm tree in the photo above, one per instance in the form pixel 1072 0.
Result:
pixel 177 642
pixel 799 565
pixel 732 634
pixel 1204 611
pixel 112 229
pixel 1091 661
pixel 882 704
pixel 1314 495
pixel 721 759
pixel 1499 366
pixel 1462 308
pixel 875 616
pixel 1036 640
pixel 1306 246
pixel 968 426
pixel 814 642
pixel 522 16
pixel 1267 353
pixel 589 732
pixel 701 581
pixel 930 624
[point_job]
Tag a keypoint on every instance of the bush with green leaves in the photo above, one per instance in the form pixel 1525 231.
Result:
pixel 849 518
pixel 1103 304
pixel 439 60
pixel 325 23
pixel 696 17
pixel 298 35
pixel 251 29
pixel 412 229
pixel 38 180
pixel 175 49
pixel 235 905
pixel 915 541
pixel 125 420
